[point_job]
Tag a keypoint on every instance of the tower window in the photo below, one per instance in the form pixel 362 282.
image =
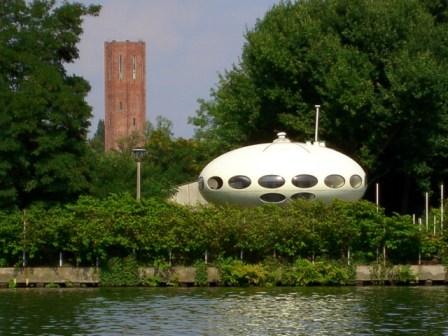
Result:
pixel 134 67
pixel 109 67
pixel 121 106
pixel 133 121
pixel 120 67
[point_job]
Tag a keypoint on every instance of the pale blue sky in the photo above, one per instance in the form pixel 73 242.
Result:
pixel 188 42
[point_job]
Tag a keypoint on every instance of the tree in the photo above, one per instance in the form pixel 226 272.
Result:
pixel 43 113
pixel 379 70
pixel 168 162
pixel 97 142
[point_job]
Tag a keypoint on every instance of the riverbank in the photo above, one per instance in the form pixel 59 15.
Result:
pixel 187 276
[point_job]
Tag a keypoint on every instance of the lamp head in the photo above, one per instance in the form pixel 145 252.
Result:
pixel 138 153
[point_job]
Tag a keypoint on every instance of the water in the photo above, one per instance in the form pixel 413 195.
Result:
pixel 224 311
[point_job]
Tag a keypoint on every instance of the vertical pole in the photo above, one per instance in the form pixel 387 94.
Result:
pixel 426 210
pixel 434 228
pixel 441 208
pixel 317 123
pixel 60 259
pixel 138 180
pixel 413 219
pixel 24 238
pixel 419 252
pixel 348 256
pixel 377 196
pixel 206 257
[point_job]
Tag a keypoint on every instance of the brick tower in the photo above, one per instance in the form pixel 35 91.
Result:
pixel 124 76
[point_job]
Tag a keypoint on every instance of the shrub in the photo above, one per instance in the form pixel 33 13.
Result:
pixel 120 272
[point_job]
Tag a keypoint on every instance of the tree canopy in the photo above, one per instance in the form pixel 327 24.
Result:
pixel 379 70
pixel 43 113
pixel 167 163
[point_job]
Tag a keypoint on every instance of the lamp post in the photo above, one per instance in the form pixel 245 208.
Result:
pixel 138 154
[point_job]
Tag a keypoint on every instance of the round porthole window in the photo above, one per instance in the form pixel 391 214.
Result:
pixel 201 183
pixel 304 181
pixel 239 182
pixel 271 181
pixel 214 182
pixel 304 195
pixel 334 181
pixel 272 198
pixel 355 181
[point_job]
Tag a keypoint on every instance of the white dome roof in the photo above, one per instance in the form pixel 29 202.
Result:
pixel 308 170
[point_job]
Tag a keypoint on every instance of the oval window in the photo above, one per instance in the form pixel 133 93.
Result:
pixel 355 181
pixel 201 183
pixel 334 181
pixel 214 182
pixel 272 198
pixel 304 181
pixel 239 182
pixel 271 181
pixel 304 195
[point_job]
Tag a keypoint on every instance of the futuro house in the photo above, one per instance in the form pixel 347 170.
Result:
pixel 280 171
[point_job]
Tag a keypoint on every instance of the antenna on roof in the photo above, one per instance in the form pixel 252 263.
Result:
pixel 317 123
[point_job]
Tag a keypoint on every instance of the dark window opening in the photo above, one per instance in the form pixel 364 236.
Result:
pixel 271 181
pixel 272 198
pixel 334 181
pixel 214 182
pixel 239 182
pixel 355 181
pixel 304 195
pixel 304 181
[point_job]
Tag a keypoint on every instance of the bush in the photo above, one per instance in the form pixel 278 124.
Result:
pixel 322 273
pixel 201 276
pixel 236 273
pixel 120 272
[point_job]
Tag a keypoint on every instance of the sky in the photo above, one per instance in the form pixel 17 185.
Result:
pixel 188 43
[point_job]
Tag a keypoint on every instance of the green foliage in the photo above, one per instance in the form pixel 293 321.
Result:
pixel 405 274
pixel 378 68
pixel 44 117
pixel 120 272
pixel 236 273
pixel 382 273
pixel 306 273
pixel 168 163
pixel 97 142
pixel 201 276
pixel 302 273
pixel 162 233
pixel 322 272
pixel 12 283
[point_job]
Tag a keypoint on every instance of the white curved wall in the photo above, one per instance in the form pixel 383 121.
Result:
pixel 286 159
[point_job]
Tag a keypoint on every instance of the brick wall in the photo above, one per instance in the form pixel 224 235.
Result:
pixel 125 103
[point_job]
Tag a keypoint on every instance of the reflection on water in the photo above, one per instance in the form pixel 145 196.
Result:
pixel 221 311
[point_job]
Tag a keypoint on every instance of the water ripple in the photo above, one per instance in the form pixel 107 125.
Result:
pixel 216 311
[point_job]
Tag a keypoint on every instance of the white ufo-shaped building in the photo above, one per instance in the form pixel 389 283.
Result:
pixel 280 171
